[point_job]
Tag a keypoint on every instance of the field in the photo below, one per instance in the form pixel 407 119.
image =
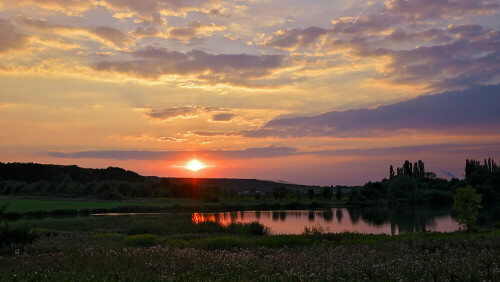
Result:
pixel 172 247
pixel 74 250
pixel 31 206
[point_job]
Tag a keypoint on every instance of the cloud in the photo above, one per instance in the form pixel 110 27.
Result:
pixel 152 10
pixel 421 10
pixel 11 40
pixel 153 63
pixel 278 151
pixel 430 35
pixel 223 117
pixel 193 30
pixel 70 7
pixel 472 110
pixel 250 153
pixel 170 139
pixel 104 34
pixel 454 65
pixel 177 112
pixel 141 32
pixel 294 38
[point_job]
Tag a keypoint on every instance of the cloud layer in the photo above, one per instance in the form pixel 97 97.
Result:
pixel 475 109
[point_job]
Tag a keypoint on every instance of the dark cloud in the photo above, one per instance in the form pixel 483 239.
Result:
pixel 472 110
pixel 234 68
pixel 265 152
pixel 223 117
pixel 10 39
pixel 448 66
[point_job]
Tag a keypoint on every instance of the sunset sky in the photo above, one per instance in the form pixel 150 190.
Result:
pixel 311 92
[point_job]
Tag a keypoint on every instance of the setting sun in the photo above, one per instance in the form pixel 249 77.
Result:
pixel 195 165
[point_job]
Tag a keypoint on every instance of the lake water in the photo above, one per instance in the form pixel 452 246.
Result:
pixel 362 220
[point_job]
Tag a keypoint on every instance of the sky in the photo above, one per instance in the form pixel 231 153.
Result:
pixel 321 92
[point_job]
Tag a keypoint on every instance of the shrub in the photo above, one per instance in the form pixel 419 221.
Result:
pixel 144 240
pixel 259 229
pixel 12 235
pixel 467 205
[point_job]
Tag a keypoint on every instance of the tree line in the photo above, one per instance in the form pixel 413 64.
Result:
pixel 411 183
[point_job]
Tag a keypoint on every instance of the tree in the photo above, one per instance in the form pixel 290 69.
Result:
pixel 338 193
pixel 310 194
pixel 327 193
pixel 353 194
pixel 391 172
pixel 467 205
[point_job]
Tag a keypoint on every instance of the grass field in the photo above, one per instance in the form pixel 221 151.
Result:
pixel 150 249
pixel 22 205
pixel 171 247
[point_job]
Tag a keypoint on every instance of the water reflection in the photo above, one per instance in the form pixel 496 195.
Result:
pixel 365 220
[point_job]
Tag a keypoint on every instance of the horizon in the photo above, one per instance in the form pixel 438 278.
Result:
pixel 311 93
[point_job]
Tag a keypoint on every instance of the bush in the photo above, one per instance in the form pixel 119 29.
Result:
pixel 259 229
pixel 13 235
pixel 467 205
pixel 144 240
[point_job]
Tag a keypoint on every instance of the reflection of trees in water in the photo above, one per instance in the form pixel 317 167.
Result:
pixel 328 215
pixel 354 215
pixel 310 216
pixel 242 214
pixel 408 219
pixel 340 214
pixel 488 216
pixel 283 215
pixel 276 215
pixel 233 216
pixel 257 214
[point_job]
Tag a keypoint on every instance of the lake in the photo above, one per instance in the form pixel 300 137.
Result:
pixel 362 220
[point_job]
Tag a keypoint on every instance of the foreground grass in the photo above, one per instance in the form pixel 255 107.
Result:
pixel 344 257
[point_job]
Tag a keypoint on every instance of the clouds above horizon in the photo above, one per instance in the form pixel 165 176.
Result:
pixel 11 39
pixel 152 63
pixel 473 110
pixel 272 152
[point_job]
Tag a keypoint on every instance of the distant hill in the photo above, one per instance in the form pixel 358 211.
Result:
pixel 33 172
pixel 113 183
pixel 239 185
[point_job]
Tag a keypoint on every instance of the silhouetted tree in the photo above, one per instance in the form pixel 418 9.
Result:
pixel 338 193
pixel 327 193
pixel 391 172
pixel 310 194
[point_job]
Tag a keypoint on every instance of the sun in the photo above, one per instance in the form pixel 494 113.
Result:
pixel 194 165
